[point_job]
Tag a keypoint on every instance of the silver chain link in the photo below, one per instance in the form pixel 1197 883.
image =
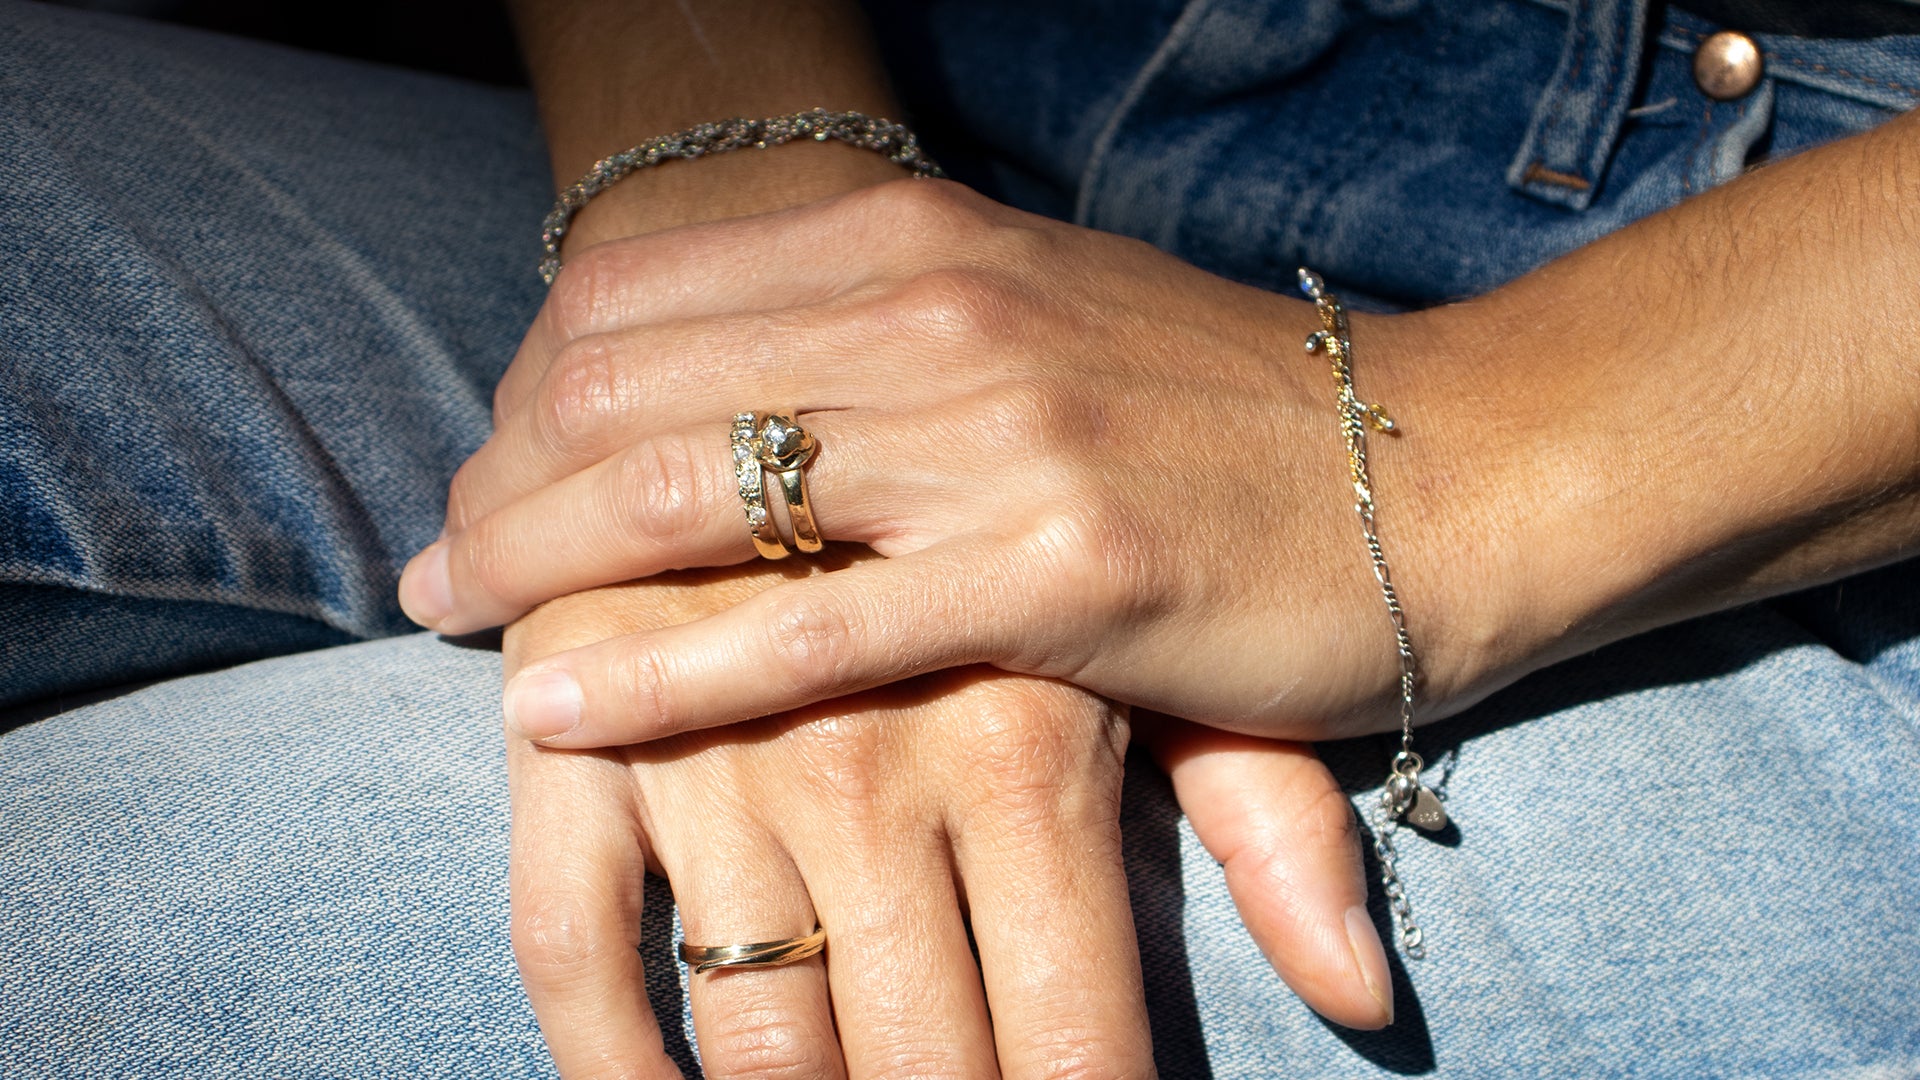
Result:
pixel 1356 416
pixel 1412 938
pixel 882 136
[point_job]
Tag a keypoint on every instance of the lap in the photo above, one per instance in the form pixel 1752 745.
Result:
pixel 1681 856
pixel 256 304
pixel 255 301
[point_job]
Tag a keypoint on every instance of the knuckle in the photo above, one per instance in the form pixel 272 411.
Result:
pixel 642 679
pixel 1093 568
pixel 664 489
pixel 812 641
pixel 763 1041
pixel 952 303
pixel 1268 854
pixel 581 389
pixel 843 759
pixel 1070 1051
pixel 1037 757
pixel 464 505
pixel 503 395
pixel 1025 415
pixel 492 558
pixel 914 1061
pixel 556 940
pixel 1327 819
pixel 921 210
pixel 1104 564
pixel 579 297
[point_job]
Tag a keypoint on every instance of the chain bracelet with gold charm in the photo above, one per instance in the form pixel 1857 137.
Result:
pixel 1404 797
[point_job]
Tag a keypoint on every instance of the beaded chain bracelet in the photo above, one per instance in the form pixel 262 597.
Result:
pixel 896 141
pixel 1405 797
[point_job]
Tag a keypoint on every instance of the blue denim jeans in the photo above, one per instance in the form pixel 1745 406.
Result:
pixel 251 308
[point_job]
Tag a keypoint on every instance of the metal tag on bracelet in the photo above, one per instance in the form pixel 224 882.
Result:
pixel 1427 813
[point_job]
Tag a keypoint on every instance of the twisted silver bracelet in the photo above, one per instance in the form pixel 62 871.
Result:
pixel 883 136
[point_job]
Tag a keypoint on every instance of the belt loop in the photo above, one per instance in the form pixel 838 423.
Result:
pixel 1578 117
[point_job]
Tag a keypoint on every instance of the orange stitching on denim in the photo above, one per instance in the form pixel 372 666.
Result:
pixel 1537 171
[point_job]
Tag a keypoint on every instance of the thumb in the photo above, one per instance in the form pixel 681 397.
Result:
pixel 1273 816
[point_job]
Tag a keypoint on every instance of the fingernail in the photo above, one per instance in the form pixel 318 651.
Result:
pixel 543 704
pixel 1372 958
pixel 426 589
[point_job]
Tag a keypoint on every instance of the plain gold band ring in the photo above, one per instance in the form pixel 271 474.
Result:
pixel 706 958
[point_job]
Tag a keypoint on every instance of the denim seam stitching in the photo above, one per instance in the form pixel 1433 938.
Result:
pixel 1693 152
pixel 1176 39
pixel 1598 150
pixel 1561 87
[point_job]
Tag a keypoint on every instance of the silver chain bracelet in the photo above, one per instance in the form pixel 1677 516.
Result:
pixel 1404 798
pixel 882 136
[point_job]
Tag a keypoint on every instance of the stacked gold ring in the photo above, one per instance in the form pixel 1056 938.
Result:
pixel 774 442
pixel 705 958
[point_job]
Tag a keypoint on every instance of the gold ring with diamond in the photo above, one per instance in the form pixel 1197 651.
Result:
pixel 752 481
pixel 784 448
pixel 705 958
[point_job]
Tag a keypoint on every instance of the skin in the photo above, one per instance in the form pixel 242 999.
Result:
pixel 888 815
pixel 1554 514
pixel 1090 461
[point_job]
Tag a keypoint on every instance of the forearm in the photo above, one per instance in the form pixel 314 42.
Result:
pixel 608 74
pixel 1717 404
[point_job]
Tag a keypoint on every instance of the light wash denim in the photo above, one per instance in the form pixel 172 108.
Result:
pixel 252 303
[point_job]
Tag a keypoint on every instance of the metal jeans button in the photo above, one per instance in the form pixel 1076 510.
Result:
pixel 1727 66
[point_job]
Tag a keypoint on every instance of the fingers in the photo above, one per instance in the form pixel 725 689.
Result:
pixel 739 887
pixel 577 869
pixel 806 641
pixel 1274 816
pixel 668 503
pixel 1039 851
pixel 906 993
pixel 759 263
pixel 606 391
pixel 784 259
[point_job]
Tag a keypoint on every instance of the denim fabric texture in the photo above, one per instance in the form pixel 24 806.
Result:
pixel 254 306
pixel 1383 144
pixel 254 302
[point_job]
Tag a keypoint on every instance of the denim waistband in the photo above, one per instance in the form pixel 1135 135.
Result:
pixel 1882 71
pixel 1414 150
pixel 1578 117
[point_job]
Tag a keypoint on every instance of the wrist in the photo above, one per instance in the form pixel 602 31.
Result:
pixel 1591 456
pixel 1540 505
pixel 1451 492
pixel 720 186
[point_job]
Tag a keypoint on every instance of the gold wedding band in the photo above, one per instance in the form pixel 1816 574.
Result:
pixel 705 958
pixel 775 443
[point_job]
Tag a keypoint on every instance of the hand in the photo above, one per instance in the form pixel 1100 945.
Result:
pixel 1087 459
pixel 884 818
